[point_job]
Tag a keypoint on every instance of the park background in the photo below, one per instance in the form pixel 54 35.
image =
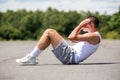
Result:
pixel 26 20
pixel 21 22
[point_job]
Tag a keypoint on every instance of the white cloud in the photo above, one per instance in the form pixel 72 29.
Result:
pixel 110 6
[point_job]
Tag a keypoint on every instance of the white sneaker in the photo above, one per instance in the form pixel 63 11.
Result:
pixel 27 60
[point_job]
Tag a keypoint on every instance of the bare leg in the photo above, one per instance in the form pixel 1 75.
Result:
pixel 50 36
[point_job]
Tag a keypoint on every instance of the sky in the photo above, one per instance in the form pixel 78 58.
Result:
pixel 101 6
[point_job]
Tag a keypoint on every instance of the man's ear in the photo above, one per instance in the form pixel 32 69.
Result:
pixel 92 25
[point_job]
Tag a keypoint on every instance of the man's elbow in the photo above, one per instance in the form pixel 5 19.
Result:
pixel 72 37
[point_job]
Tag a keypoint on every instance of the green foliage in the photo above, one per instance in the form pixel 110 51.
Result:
pixel 113 35
pixel 7 32
pixel 24 25
pixel 114 23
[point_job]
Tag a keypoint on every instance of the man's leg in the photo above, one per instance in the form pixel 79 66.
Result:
pixel 50 36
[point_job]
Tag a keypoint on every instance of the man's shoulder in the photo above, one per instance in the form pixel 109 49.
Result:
pixel 93 38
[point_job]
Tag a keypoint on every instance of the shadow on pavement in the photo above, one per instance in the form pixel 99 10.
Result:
pixel 60 64
pixel 100 63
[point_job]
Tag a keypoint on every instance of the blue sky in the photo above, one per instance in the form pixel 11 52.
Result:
pixel 102 6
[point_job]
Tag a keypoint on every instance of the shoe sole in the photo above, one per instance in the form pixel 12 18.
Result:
pixel 23 63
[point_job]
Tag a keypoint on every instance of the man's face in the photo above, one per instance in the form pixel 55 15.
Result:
pixel 87 27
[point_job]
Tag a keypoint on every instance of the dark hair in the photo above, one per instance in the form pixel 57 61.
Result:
pixel 94 20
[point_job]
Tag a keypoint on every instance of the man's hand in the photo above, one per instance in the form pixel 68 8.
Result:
pixel 75 33
pixel 84 23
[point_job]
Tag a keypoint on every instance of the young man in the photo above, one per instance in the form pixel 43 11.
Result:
pixel 86 44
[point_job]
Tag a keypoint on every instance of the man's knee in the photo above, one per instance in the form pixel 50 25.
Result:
pixel 50 31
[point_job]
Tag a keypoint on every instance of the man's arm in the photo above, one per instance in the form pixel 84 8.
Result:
pixel 75 36
pixel 74 33
pixel 91 38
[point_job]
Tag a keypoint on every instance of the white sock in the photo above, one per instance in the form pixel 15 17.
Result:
pixel 35 52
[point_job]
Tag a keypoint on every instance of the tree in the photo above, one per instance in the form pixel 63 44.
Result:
pixel 9 33
pixel 23 25
pixel 114 25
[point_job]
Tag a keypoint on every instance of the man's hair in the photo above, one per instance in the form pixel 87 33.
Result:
pixel 94 20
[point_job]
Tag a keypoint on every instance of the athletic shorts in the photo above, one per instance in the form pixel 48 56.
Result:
pixel 65 53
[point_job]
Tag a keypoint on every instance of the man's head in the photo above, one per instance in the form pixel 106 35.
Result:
pixel 92 24
pixel 93 20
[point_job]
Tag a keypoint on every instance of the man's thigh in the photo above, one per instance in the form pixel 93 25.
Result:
pixel 55 38
pixel 63 52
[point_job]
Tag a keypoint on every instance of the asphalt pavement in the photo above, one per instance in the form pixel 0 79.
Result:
pixel 104 64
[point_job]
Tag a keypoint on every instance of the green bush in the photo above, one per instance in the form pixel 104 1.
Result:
pixel 113 35
pixel 9 33
pixel 26 25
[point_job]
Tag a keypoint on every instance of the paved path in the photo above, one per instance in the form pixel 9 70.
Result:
pixel 103 65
